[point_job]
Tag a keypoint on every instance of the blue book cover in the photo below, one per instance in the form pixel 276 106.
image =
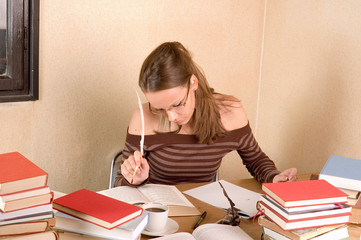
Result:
pixel 343 167
pixel 342 172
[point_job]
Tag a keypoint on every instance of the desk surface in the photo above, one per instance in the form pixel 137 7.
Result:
pixel 214 214
pixel 252 229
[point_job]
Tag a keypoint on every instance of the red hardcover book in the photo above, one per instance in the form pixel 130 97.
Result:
pixel 304 193
pixel 17 173
pixel 96 208
pixel 311 222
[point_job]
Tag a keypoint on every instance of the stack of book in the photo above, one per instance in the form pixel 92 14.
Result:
pixel 344 173
pixel 25 200
pixel 93 214
pixel 353 198
pixel 291 206
pixel 273 231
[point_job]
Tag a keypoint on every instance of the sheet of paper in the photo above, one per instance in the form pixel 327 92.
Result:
pixel 212 193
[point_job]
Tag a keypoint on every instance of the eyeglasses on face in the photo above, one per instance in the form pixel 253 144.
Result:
pixel 175 108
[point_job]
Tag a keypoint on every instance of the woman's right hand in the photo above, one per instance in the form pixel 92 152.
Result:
pixel 129 166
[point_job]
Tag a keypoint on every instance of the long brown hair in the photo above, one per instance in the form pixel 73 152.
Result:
pixel 170 65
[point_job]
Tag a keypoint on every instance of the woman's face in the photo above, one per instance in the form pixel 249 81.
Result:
pixel 176 103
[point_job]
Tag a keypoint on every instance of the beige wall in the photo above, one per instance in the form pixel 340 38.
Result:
pixel 90 56
pixel 302 103
pixel 310 103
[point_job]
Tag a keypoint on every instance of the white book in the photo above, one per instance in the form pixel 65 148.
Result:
pixel 210 231
pixel 4 216
pixel 33 217
pixel 303 208
pixel 128 231
pixel 301 214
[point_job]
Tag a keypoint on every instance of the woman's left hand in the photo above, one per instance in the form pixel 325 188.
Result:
pixel 288 175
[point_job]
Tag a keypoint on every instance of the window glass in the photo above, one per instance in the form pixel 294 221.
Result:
pixel 3 24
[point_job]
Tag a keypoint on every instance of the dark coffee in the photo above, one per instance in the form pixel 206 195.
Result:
pixel 154 209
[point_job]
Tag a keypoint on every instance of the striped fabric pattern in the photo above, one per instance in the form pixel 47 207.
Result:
pixel 179 158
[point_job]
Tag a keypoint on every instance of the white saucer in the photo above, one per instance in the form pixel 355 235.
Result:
pixel 171 227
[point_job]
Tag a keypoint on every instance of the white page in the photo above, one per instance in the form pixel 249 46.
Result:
pixel 210 231
pixel 126 194
pixel 165 194
pixel 212 193
pixel 155 193
pixel 177 236
pixel 213 231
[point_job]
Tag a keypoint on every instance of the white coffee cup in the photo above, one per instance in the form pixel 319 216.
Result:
pixel 158 216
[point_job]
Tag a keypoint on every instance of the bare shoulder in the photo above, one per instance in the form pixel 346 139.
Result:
pixel 150 121
pixel 232 112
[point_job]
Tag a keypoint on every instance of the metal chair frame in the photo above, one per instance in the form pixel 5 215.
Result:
pixel 113 172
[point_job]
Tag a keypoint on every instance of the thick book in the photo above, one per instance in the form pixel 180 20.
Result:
pixel 342 172
pixel 97 208
pixel 127 231
pixel 304 193
pixel 48 235
pixel 28 218
pixel 27 202
pixel 354 202
pixel 78 236
pixel 210 231
pixel 336 234
pixel 287 225
pixel 301 234
pixel 4 216
pixel 17 173
pixel 168 195
pixel 351 193
pixel 27 227
pixel 303 208
pixel 24 194
pixel 335 209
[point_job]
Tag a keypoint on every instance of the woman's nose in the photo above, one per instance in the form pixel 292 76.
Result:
pixel 171 116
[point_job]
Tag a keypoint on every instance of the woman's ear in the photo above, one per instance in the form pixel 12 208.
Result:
pixel 194 82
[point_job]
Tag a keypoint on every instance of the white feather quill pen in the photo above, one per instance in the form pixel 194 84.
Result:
pixel 142 133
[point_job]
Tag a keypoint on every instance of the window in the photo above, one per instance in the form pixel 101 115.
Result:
pixel 19 50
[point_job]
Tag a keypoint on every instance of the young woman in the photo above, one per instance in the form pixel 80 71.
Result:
pixel 189 128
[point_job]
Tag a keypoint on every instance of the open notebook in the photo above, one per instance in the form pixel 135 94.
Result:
pixel 168 195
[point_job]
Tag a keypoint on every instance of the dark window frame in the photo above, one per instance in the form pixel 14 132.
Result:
pixel 21 81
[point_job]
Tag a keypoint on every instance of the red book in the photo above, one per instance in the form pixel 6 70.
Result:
pixel 17 173
pixel 304 193
pixel 96 208
pixel 311 222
